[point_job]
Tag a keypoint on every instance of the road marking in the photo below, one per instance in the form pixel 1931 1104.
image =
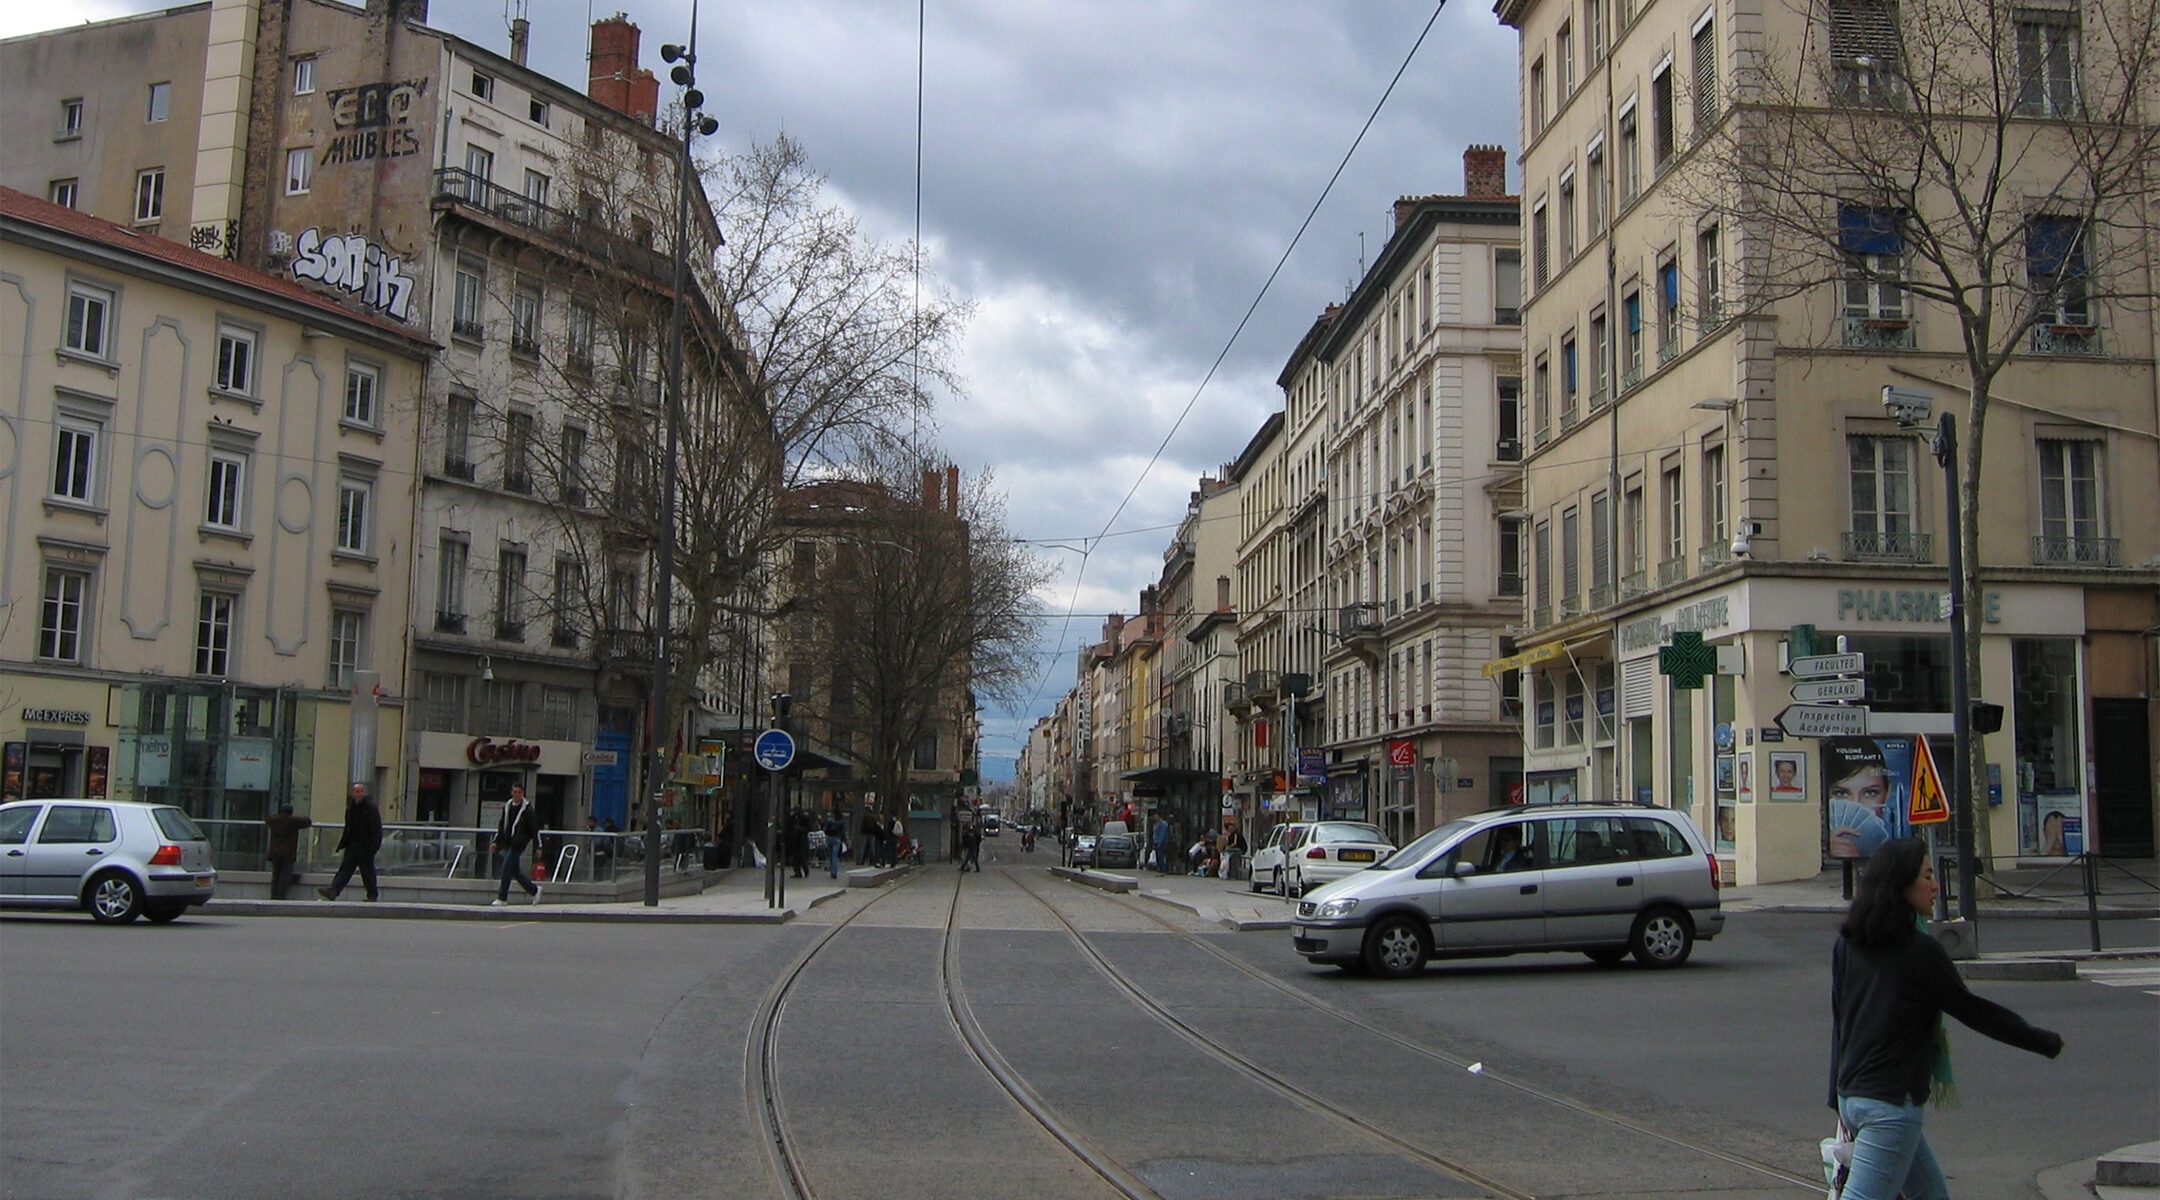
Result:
pixel 2142 976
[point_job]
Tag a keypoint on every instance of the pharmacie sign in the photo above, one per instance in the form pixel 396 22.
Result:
pixel 1908 604
pixel 1699 617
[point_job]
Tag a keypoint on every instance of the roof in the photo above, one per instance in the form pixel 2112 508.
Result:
pixel 275 290
pixel 1423 213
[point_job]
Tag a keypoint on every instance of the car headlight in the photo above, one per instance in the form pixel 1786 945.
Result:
pixel 1337 908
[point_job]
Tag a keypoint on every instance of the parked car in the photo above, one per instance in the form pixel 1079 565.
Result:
pixel 1117 850
pixel 1268 859
pixel 119 859
pixel 1329 850
pixel 1606 880
pixel 1083 851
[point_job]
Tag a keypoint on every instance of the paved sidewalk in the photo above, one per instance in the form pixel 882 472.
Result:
pixel 736 897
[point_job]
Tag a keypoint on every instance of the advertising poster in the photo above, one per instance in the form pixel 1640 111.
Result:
pixel 18 756
pixel 1867 784
pixel 2060 822
pixel 1788 776
pixel 97 769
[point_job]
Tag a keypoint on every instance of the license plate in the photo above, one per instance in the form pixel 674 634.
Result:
pixel 1356 856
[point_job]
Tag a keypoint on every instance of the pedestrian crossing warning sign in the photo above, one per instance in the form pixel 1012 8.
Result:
pixel 1929 804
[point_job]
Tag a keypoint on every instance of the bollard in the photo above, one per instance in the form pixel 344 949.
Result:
pixel 2092 898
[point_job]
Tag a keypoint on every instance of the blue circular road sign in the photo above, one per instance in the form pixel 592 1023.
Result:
pixel 775 749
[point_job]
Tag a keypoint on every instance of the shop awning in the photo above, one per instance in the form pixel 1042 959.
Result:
pixel 1528 658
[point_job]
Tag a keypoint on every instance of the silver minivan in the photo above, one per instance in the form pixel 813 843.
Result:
pixel 1607 880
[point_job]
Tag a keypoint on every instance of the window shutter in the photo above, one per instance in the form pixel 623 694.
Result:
pixel 1706 97
pixel 1864 28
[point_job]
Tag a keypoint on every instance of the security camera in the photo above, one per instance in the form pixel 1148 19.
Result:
pixel 1908 406
pixel 1740 545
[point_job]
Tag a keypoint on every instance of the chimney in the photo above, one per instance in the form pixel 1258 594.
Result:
pixel 614 78
pixel 520 38
pixel 1404 206
pixel 1222 593
pixel 929 489
pixel 952 491
pixel 414 11
pixel 1484 171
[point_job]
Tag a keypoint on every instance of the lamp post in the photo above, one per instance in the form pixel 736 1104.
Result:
pixel 660 723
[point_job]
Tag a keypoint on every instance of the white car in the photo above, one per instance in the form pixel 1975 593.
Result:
pixel 1267 860
pixel 1331 850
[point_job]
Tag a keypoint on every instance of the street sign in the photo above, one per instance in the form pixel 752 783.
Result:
pixel 775 750
pixel 1817 690
pixel 1817 666
pixel 1823 720
pixel 1929 805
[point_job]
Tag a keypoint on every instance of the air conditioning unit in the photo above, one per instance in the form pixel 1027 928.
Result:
pixel 1234 697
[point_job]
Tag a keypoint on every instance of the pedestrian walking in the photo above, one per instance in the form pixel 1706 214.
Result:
pixel 518 829
pixel 1161 841
pixel 835 842
pixel 283 848
pixel 866 855
pixel 360 841
pixel 1890 984
pixel 971 846
pixel 798 843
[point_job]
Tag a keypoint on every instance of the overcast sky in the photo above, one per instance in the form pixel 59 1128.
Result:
pixel 1109 182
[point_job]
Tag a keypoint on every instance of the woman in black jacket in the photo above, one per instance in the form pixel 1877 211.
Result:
pixel 1890 984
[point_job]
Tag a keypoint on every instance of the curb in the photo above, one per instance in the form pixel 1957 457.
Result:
pixel 1099 880
pixel 561 913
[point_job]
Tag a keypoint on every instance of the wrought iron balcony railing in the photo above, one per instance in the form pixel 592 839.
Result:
pixel 1671 571
pixel 509 631
pixel 449 622
pixel 589 234
pixel 1601 596
pixel 1713 555
pixel 2077 551
pixel 1541 616
pixel 1870 545
pixel 1633 584
pixel 2066 339
pixel 1879 333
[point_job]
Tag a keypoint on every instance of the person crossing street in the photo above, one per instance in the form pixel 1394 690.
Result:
pixel 514 834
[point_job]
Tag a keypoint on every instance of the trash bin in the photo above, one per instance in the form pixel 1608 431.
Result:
pixel 715 856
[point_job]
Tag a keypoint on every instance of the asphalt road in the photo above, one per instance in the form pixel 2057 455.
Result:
pixel 242 1057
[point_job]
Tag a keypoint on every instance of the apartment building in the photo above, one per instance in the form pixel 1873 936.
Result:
pixel 207 534
pixel 522 225
pixel 1198 656
pixel 1707 452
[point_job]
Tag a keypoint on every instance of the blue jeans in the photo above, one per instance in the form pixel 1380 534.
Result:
pixel 513 867
pixel 832 855
pixel 1890 1152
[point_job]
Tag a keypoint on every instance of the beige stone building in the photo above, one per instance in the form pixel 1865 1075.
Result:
pixel 208 525
pixel 1707 451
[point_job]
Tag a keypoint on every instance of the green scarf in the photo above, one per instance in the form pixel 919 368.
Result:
pixel 1942 1081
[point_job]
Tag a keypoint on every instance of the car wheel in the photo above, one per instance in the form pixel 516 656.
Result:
pixel 164 914
pixel 1397 948
pixel 1252 881
pixel 1607 956
pixel 115 898
pixel 1663 937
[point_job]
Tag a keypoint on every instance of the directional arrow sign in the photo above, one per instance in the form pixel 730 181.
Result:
pixel 1830 689
pixel 1828 664
pixel 1823 720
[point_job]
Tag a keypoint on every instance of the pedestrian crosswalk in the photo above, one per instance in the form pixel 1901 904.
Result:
pixel 2143 975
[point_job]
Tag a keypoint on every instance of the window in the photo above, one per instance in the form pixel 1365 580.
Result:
pixel 299 170
pixel 536 110
pixel 213 634
pixel 1541 398
pixel 60 616
pixel 78 824
pixel 1571 709
pixel 1600 357
pixel 1675 518
pixel 536 188
pixel 457 436
pixel 63 192
pixel 450 585
pixel 1570 561
pixel 465 313
pixel 1709 277
pixel 1507 287
pixel 480 167
pixel 236 360
pixel 572 472
pixel 1668 303
pixel 1629 183
pixel 150 194
pixel 1564 223
pixel 1601 556
pixel 1509 448
pixel 622 598
pixel 517 451
pixel 1593 20
pixel 2055 270
pixel 1569 380
pixel 354 496
pixel 1541 249
pixel 1631 529
pixel 1713 477
pixel 1594 191
pixel 1703 50
pixel 2047 62
pixel 89 317
pixel 578 337
pixel 1874 264
pixel 1541 567
pixel 510 594
pixel 75 459
pixel 228 477
pixel 1631 344
pixel 71 117
pixel 569 600
pixel 347 633
pixel 303 76
pixel 1537 97
pixel 160 102
pixel 525 320
pixel 1663 116
pixel 1882 497
pixel 1866 52
pixel 926 748
pixel 2071 528
pixel 360 385
pixel 1511 556
pixel 1545 712
pixel 483 85
pixel 1564 58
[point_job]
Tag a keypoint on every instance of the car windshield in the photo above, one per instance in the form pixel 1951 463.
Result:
pixel 1421 849
pixel 1344 831
pixel 176 825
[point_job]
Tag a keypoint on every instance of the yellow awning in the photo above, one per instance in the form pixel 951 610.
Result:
pixel 1528 658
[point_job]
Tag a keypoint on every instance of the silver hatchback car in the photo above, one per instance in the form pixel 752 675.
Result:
pixel 1607 880
pixel 120 859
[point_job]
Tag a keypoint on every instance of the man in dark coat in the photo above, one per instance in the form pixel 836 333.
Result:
pixel 284 847
pixel 514 835
pixel 361 839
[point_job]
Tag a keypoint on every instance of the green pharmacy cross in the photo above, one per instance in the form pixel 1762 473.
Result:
pixel 1687 660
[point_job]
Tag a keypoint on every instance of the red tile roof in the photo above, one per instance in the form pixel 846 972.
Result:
pixel 29 209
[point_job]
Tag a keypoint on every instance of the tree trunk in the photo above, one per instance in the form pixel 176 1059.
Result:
pixel 1968 533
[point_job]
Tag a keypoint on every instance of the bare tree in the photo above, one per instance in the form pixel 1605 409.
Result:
pixel 1989 161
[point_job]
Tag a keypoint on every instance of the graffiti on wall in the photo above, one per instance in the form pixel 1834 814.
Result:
pixel 221 238
pixel 356 266
pixel 373 121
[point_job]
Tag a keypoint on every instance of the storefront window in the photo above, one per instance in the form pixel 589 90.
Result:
pixel 2050 804
pixel 1906 674
pixel 1680 726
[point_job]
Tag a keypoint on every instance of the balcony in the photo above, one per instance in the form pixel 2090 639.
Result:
pixel 2076 551
pixel 518 481
pixel 1601 596
pixel 1630 377
pixel 2066 339
pixel 449 622
pixel 1541 616
pixel 525 345
pixel 509 631
pixel 573 497
pixel 1714 555
pixel 1671 571
pixel 1878 546
pixel 1511 585
pixel 1507 316
pixel 1508 450
pixel 458 468
pixel 468 328
pixel 1710 316
pixel 1598 398
pixel 1633 584
pixel 1669 349
pixel 1569 414
pixel 1879 333
pixel 1570 607
pixel 472 195
pixel 631 647
pixel 563 638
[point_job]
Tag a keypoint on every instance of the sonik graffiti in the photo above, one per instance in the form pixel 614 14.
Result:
pixel 357 266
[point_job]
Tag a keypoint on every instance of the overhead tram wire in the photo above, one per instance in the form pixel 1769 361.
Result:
pixel 1250 309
